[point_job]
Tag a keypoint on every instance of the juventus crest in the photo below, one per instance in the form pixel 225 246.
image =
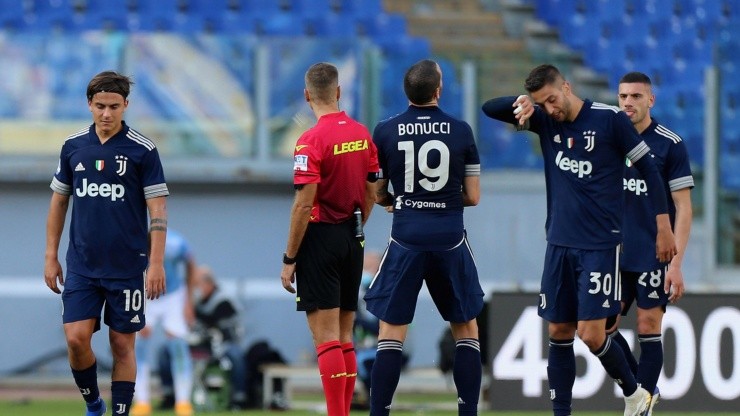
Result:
pixel 121 162
pixel 590 137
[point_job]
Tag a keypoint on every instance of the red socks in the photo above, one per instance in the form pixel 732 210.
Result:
pixel 350 364
pixel 333 377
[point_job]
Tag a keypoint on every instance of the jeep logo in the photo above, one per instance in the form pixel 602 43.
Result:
pixel 638 186
pixel 581 167
pixel 104 190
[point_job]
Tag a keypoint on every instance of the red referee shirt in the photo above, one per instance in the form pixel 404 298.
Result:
pixel 337 154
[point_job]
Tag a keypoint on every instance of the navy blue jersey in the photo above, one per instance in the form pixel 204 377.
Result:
pixel 670 155
pixel 584 167
pixel 426 154
pixel 109 184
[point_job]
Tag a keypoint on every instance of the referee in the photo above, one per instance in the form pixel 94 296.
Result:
pixel 335 166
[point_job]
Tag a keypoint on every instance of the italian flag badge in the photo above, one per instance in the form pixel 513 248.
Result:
pixel 99 164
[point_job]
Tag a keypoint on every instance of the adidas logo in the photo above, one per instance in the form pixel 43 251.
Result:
pixel 653 295
pixel 388 407
pixel 135 320
pixel 605 304
pixel 79 167
pixel 460 400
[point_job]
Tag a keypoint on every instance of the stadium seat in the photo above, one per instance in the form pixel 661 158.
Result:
pixel 330 24
pixel 280 24
pixel 263 8
pixel 360 8
pixel 312 8
pixel 554 11
pixel 105 15
pixel 384 25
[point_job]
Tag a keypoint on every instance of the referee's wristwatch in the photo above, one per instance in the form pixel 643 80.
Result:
pixel 288 260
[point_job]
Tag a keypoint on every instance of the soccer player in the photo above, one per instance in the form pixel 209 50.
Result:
pixel 335 165
pixel 645 280
pixel 114 175
pixel 431 161
pixel 584 145
pixel 174 311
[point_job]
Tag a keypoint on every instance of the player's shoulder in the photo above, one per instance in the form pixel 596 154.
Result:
pixel 607 108
pixel 78 137
pixel 661 132
pixel 138 139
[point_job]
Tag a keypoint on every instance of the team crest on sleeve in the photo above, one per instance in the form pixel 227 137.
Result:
pixel 300 162
pixel 590 137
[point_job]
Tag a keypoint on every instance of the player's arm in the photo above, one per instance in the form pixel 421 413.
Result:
pixel 53 274
pixel 382 196
pixel 471 191
pixel 369 198
pixel 665 242
pixel 512 110
pixel 682 229
pixel 300 214
pixel 155 284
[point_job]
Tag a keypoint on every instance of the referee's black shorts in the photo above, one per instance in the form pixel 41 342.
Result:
pixel 329 267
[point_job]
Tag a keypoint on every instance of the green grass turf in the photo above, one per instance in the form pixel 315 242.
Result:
pixel 74 408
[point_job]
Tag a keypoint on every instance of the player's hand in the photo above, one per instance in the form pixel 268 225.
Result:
pixel 674 283
pixel 155 284
pixel 389 209
pixel 53 275
pixel 287 277
pixel 665 242
pixel 523 109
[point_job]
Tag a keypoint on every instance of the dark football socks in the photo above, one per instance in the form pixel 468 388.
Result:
pixel 385 375
pixel 561 374
pixel 122 393
pixel 619 339
pixel 612 358
pixel 651 361
pixel 467 373
pixel 87 382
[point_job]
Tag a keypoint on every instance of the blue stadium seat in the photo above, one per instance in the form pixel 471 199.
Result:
pixel 280 24
pixel 360 8
pixel 312 8
pixel 107 15
pixel 263 8
pixel 12 15
pixel 554 11
pixel 236 22
pixel 381 26
pixel 331 24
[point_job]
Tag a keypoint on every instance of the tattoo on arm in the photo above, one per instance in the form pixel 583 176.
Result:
pixel 158 224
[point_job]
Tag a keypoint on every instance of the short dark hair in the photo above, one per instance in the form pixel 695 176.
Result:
pixel 322 80
pixel 540 76
pixel 109 81
pixel 635 77
pixel 421 81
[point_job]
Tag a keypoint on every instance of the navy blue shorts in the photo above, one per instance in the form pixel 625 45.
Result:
pixel 579 285
pixel 645 288
pixel 451 277
pixel 122 299
pixel 329 267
